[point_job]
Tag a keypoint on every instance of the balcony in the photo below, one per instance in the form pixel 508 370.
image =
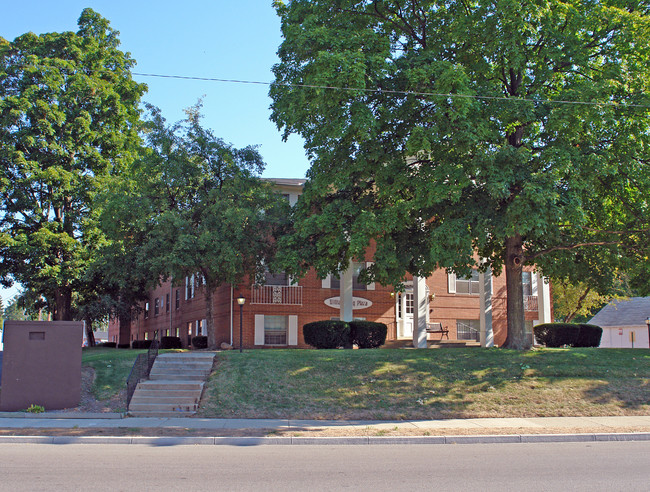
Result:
pixel 530 303
pixel 288 295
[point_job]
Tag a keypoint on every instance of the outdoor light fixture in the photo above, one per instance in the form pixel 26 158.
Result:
pixel 241 300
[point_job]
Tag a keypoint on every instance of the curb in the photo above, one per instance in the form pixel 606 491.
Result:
pixel 329 441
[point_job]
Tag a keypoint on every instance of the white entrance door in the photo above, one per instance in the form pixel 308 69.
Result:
pixel 404 313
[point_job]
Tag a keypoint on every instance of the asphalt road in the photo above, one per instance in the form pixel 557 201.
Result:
pixel 596 466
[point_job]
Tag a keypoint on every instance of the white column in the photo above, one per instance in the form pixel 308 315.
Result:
pixel 543 300
pixel 345 294
pixel 420 312
pixel 485 315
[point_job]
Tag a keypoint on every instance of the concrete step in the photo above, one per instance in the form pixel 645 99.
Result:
pixel 167 393
pixel 170 384
pixel 177 377
pixel 166 399
pixel 137 409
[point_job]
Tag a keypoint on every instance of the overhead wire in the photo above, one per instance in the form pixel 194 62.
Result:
pixel 395 92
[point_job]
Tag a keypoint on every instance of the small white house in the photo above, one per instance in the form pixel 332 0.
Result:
pixel 624 323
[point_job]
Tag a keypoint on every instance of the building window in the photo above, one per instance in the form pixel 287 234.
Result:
pixel 156 306
pixel 275 330
pixel 166 303
pixel 527 283
pixel 356 285
pixel 189 328
pixel 189 287
pixel 468 329
pixel 275 278
pixel 468 285
pixel 146 310
pixel 178 298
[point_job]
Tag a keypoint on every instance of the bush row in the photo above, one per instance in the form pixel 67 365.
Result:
pixel 571 334
pixel 334 334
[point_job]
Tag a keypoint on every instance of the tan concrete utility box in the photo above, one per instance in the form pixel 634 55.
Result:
pixel 41 365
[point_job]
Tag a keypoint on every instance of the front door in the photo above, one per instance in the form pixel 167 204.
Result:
pixel 404 314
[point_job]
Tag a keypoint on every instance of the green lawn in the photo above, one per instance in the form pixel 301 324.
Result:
pixel 428 384
pixel 112 367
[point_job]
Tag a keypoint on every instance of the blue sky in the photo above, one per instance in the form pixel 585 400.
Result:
pixel 215 39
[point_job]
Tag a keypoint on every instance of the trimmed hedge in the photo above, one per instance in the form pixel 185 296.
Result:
pixel 572 334
pixel 123 345
pixel 200 342
pixel 107 344
pixel 368 334
pixel 327 334
pixel 170 343
pixel 141 344
pixel 589 336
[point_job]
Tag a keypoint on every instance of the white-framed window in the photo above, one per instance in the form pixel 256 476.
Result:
pixel 460 285
pixel 166 303
pixel 189 287
pixel 527 283
pixel 334 281
pixel 468 329
pixel 275 330
pixel 146 310
pixel 156 306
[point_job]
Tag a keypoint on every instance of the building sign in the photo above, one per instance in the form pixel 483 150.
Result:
pixel 357 302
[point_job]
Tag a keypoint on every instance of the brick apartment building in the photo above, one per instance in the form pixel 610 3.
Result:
pixel 274 313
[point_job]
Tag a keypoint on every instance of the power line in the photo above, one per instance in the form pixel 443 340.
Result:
pixel 393 92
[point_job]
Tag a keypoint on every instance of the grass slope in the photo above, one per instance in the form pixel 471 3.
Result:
pixel 112 367
pixel 428 384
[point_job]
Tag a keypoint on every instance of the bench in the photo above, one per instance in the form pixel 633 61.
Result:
pixel 438 328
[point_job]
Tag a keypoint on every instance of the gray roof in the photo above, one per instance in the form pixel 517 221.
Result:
pixel 625 312
pixel 287 181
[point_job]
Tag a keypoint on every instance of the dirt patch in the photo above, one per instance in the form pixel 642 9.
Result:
pixel 314 432
pixel 88 402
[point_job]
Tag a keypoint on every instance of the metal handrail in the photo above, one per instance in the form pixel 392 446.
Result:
pixel 141 369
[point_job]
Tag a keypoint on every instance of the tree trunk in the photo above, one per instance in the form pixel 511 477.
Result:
pixel 63 304
pixel 124 336
pixel 90 334
pixel 516 338
pixel 208 290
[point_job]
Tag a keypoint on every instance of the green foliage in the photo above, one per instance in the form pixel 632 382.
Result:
pixel 200 342
pixel 589 336
pixel 327 334
pixel 35 409
pixel 141 344
pixel 68 118
pixel 170 343
pixel 570 334
pixel 368 334
pixel 524 127
pixel 199 207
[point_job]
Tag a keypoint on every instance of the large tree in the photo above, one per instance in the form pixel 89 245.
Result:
pixel 446 131
pixel 203 208
pixel 68 118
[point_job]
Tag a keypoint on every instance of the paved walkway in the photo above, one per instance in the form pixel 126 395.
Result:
pixel 546 429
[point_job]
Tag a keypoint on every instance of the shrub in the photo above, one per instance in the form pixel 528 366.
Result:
pixel 170 343
pixel 589 336
pixel 557 334
pixel 35 409
pixel 200 342
pixel 123 345
pixel 368 334
pixel 107 344
pixel 141 344
pixel 327 334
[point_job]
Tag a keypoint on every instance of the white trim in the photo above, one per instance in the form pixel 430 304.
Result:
pixel 259 329
pixel 451 282
pixel 292 336
pixel 326 283
pixel 533 284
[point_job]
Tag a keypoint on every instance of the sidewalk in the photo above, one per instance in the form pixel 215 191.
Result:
pixel 66 427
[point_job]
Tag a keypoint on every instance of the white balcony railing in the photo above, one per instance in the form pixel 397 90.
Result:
pixel 276 294
pixel 530 303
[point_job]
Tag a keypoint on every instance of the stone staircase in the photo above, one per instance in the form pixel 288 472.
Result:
pixel 174 387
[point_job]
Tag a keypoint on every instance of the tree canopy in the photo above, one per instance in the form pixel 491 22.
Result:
pixel 201 208
pixel 68 118
pixel 444 132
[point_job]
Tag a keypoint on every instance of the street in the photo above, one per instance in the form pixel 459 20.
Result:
pixel 592 466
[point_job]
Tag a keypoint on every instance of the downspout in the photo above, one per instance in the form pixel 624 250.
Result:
pixel 231 301
pixel 171 311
